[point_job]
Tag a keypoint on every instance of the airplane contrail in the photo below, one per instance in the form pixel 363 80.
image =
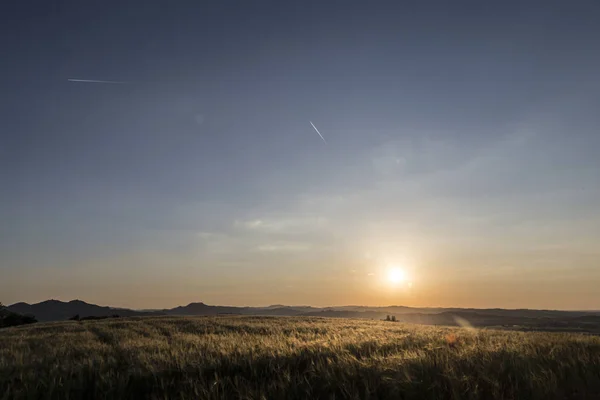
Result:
pixel 315 128
pixel 96 81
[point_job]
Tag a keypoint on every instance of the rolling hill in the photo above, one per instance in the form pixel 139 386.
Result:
pixel 55 310
pixel 577 321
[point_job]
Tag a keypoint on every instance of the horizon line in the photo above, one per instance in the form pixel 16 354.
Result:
pixel 318 307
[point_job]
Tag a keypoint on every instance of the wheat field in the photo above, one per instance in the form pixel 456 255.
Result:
pixel 291 358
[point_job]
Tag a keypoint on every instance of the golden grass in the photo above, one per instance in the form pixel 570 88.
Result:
pixel 291 358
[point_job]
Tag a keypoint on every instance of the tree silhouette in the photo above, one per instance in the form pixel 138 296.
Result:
pixel 8 318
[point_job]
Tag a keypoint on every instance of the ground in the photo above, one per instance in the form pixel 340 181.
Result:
pixel 291 358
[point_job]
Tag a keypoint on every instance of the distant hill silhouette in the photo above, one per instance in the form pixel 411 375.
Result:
pixel 54 310
pixel 203 309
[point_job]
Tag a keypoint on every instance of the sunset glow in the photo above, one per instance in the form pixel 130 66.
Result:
pixel 288 157
pixel 396 275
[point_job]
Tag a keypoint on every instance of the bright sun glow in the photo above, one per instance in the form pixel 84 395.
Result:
pixel 396 275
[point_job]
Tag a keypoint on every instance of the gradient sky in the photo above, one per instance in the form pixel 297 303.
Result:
pixel 463 144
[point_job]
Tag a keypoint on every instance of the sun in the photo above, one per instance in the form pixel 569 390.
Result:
pixel 396 275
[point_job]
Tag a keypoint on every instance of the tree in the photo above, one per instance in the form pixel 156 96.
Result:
pixel 393 318
pixel 8 318
pixel 387 318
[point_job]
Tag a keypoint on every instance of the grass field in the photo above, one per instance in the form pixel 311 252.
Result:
pixel 291 358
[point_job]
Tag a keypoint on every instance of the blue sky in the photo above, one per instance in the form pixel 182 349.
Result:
pixel 462 146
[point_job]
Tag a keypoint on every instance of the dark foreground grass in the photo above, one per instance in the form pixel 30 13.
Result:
pixel 291 358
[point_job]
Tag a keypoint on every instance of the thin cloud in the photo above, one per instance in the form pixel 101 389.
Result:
pixel 283 247
pixel 284 225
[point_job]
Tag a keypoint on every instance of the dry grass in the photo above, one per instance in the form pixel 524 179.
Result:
pixel 291 358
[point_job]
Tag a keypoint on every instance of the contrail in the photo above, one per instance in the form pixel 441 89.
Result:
pixel 96 81
pixel 315 128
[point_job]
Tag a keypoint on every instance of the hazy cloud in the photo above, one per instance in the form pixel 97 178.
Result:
pixel 282 225
pixel 283 247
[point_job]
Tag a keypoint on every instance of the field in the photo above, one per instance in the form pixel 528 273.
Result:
pixel 291 358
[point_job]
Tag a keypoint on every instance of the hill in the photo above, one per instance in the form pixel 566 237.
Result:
pixel 54 310
pixel 203 309
pixel 291 358
pixel 571 321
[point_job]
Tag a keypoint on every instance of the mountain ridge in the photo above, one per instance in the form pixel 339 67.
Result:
pixel 57 310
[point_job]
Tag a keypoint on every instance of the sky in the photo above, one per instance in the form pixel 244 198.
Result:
pixel 462 147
